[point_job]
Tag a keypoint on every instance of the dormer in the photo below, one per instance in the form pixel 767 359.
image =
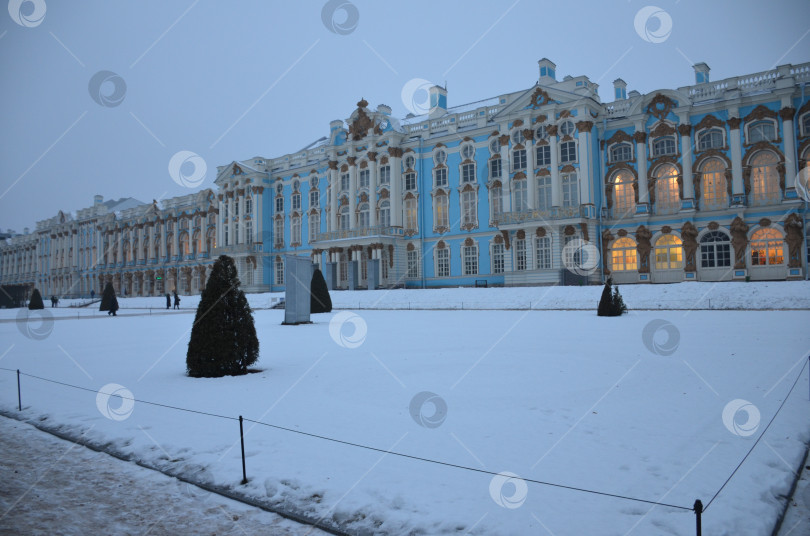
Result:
pixel 548 71
pixel 701 73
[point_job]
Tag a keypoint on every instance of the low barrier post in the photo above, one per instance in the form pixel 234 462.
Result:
pixel 698 513
pixel 19 395
pixel 242 439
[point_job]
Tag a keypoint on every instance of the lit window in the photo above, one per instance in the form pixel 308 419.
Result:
pixel 568 152
pixel 441 217
pixel 470 254
pixel 711 139
pixel 715 250
pixel 761 131
pixel 623 255
pixel 410 214
pixel 713 185
pixel 667 199
pixel 624 194
pixel 668 253
pixel 767 247
pixel 765 178
pixel 663 146
pixel 542 253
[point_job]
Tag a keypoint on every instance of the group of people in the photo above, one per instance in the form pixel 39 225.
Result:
pixel 54 301
pixel 176 300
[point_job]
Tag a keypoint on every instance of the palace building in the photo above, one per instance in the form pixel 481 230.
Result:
pixel 533 187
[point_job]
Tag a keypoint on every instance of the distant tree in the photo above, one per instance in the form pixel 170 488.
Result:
pixel 320 301
pixel 223 339
pixel 108 300
pixel 36 300
pixel 611 303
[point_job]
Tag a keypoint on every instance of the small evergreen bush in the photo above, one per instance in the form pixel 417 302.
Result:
pixel 320 301
pixel 611 303
pixel 36 300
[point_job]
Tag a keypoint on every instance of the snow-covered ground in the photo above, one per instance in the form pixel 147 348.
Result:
pixel 656 405
pixel 52 486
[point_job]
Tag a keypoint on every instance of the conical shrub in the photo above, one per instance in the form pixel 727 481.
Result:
pixel 36 300
pixel 320 301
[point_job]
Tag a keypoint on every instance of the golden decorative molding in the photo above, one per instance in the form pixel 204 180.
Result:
pixel 521 234
pixel 372 156
pixel 662 129
pixel 760 112
pixel 469 242
pixel 539 98
pixel 552 130
pixel 643 247
pixel 734 123
pixel 584 126
pixel 540 232
pixel 660 106
pixel 504 140
pixel 685 129
pixel 764 222
pixel 709 121
pixel 640 136
pixel 689 238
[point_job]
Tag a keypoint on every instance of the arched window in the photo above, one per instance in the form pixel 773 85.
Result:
pixel 385 214
pixel 805 123
pixel 496 202
pixel 441 218
pixel 621 152
pixel 211 240
pixel 570 190
pixel 764 178
pixel 184 246
pixel 663 146
pixel 623 255
pixel 196 243
pixel 363 216
pixel 668 253
pixel 410 214
pixel 343 218
pixel 713 185
pixel 715 250
pixel 295 230
pixel 469 208
pixel 710 139
pixel 761 131
pixel 544 192
pixel 314 226
pixel 624 195
pixel 521 202
pixel 767 247
pixel 667 199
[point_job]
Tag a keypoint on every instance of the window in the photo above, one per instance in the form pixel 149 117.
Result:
pixel 410 214
pixel 296 201
pixel 663 146
pixel 761 131
pixel 278 233
pixel 766 247
pixel 765 178
pixel 623 255
pixel 314 226
pixel 497 259
pixel 495 168
pixel 409 162
pixel 621 152
pixel 519 159
pixel 225 206
pixel 279 271
pixel 541 133
pixel 440 157
pixel 249 232
pixel 805 123
pixel 295 230
pixel 543 155
pixel 624 196
pixel 710 139
pixel 495 146
pixel 410 181
pixel 544 192
pixel 248 206
pixel 467 152
pixel 496 202
pixel 441 217
pixel 344 182
pixel 470 255
pixel 520 254
pixel 567 128
pixel 570 190
pixel 713 184
pixel 364 181
pixel 363 216
pixel 385 214
pixel 667 198
pixel 715 250
pixel 668 253
pixel 226 233
pixel 521 203
pixel 314 199
pixel 343 218
pixel 443 262
pixel 468 173
pixel 469 210
pixel 542 253
pixel 385 174
pixel 413 264
pixel 279 205
pixel 440 176
pixel 568 152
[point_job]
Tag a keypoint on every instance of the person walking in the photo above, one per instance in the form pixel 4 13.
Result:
pixel 168 301
pixel 92 294
pixel 176 300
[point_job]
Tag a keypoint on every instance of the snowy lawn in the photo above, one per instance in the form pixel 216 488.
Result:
pixel 563 397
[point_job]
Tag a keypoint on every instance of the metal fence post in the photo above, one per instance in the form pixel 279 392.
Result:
pixel 242 439
pixel 698 512
pixel 19 395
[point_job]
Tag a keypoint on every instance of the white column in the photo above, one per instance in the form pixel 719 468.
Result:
pixel 372 189
pixel 506 173
pixel 556 181
pixel 176 237
pixel 120 246
pixel 258 210
pixel 395 161
pixel 790 147
pixel 352 190
pixel 162 243
pixel 220 229
pixel 231 212
pixel 333 196
pixel 686 150
pixel 737 187
pixel 241 201
pixel 150 252
pixel 641 157
pixel 584 136
pixel 531 181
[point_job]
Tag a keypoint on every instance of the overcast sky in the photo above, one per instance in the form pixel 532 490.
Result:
pixel 232 80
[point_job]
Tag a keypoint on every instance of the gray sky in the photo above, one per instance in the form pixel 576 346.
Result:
pixel 232 80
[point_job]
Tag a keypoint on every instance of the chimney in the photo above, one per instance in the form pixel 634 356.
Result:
pixel 438 101
pixel 98 199
pixel 619 89
pixel 701 73
pixel 548 71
